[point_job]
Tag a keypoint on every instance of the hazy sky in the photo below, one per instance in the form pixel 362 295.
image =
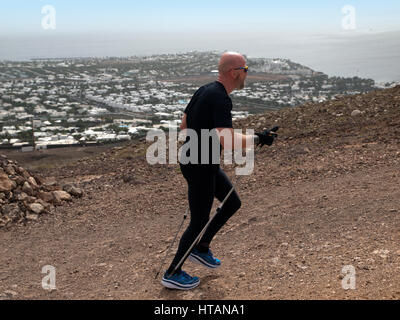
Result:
pixel 364 42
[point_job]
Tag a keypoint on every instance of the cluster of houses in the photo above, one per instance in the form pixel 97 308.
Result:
pixel 65 102
pixel 51 113
pixel 45 133
pixel 282 94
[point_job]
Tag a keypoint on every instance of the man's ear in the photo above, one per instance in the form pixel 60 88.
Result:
pixel 231 74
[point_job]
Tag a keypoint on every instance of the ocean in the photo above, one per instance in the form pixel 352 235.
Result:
pixel 375 56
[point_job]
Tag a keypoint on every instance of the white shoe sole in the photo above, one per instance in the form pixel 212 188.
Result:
pixel 199 260
pixel 174 285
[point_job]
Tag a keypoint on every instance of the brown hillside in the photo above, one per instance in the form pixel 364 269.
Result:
pixel 324 196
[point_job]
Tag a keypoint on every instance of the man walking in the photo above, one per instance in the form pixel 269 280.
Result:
pixel 210 108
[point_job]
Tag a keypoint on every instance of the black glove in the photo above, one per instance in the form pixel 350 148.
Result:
pixel 267 137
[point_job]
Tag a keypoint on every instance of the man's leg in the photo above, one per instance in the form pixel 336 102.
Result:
pixel 222 187
pixel 201 190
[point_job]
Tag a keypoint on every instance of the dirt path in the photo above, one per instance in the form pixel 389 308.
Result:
pixel 290 240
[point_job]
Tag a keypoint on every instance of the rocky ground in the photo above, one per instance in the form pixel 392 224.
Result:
pixel 324 197
pixel 25 196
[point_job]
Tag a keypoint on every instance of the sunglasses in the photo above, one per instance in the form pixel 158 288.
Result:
pixel 246 68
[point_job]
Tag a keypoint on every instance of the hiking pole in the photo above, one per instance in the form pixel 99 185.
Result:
pixel 170 247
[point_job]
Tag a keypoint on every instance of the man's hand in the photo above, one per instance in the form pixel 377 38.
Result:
pixel 267 137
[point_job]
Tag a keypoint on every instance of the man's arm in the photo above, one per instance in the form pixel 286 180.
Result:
pixel 246 140
pixel 184 122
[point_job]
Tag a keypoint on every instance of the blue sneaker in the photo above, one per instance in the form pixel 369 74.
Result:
pixel 180 280
pixel 205 259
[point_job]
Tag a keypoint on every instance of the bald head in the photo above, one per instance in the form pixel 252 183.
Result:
pixel 230 60
pixel 229 75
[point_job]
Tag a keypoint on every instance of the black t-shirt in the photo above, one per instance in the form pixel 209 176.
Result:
pixel 209 108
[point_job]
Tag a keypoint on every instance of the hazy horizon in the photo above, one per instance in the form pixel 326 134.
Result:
pixel 311 33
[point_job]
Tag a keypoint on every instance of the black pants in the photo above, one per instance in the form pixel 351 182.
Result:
pixel 205 183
